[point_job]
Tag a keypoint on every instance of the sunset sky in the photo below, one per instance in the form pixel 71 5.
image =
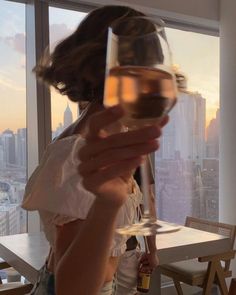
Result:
pixel 197 56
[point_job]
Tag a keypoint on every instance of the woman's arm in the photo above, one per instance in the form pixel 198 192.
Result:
pixel 82 268
pixel 106 165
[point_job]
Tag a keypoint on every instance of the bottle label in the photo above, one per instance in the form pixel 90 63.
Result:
pixel 143 281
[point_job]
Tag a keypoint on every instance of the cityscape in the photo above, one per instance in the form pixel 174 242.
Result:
pixel 186 166
pixel 12 181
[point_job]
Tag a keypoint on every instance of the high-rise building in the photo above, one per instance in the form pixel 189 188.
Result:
pixel 3 223
pixel 6 192
pixel 210 180
pixel 212 146
pixel 9 151
pixel 68 117
pixel 184 136
pixel 21 147
pixel 10 222
pixel 180 158
pixel 2 158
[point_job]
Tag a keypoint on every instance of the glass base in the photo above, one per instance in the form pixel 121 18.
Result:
pixel 145 227
pixel 148 227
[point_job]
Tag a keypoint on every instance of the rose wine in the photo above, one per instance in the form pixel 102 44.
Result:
pixel 146 94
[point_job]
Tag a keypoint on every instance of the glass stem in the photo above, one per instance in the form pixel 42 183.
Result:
pixel 145 188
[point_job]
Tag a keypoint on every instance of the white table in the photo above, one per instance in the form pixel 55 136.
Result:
pixel 187 243
pixel 27 252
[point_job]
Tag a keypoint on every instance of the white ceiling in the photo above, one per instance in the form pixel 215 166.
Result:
pixel 204 13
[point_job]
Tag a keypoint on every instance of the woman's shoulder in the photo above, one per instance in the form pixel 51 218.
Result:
pixel 55 185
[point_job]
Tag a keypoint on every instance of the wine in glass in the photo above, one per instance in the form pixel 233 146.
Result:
pixel 139 77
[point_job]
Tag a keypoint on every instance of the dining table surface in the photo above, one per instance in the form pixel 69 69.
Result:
pixel 27 252
pixel 184 243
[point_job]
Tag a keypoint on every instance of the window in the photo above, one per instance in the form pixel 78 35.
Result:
pixel 187 164
pixel 13 160
pixel 62 23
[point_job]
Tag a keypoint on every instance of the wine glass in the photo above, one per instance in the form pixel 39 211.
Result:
pixel 139 77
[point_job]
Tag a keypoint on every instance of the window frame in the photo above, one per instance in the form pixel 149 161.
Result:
pixel 38 96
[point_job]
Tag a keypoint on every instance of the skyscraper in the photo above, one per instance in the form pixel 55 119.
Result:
pixel 179 161
pixel 68 117
pixel 212 150
pixel 9 150
pixel 184 136
pixel 21 147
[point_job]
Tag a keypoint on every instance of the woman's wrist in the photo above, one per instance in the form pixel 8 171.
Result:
pixel 106 207
pixel 151 240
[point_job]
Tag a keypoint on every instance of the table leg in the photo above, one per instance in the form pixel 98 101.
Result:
pixel 155 286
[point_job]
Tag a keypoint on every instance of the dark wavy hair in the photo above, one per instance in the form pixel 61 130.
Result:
pixel 76 68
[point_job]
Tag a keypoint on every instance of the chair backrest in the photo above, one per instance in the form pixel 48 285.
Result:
pixel 223 229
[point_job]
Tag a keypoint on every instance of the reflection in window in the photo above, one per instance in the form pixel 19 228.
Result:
pixel 13 141
pixel 187 164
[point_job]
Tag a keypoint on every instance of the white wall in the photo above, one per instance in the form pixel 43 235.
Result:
pixel 227 204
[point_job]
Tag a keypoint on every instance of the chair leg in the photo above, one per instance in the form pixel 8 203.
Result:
pixel 210 276
pixel 221 279
pixel 178 287
pixel 232 288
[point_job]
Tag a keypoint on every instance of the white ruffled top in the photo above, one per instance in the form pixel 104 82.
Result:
pixel 56 191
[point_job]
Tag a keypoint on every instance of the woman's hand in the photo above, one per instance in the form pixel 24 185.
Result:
pixel 108 161
pixel 149 260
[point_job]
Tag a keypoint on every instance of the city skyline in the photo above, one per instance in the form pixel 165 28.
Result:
pixel 13 167
pixel 186 167
pixel 74 116
pixel 187 163
pixel 196 54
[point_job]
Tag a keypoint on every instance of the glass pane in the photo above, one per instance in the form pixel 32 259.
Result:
pixel 13 160
pixel 187 165
pixel 62 23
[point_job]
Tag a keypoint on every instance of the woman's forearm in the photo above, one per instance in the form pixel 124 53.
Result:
pixel 81 270
pixel 151 243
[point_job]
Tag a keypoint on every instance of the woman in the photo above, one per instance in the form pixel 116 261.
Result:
pixel 83 187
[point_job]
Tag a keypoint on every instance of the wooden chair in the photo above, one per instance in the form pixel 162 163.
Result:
pixel 232 287
pixel 14 288
pixel 204 271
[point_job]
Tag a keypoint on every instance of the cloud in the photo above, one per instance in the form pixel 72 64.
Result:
pixel 57 33
pixel 17 42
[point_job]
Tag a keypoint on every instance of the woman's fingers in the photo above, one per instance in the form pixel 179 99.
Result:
pixel 105 158
pixel 120 140
pixel 101 120
pixel 115 155
pixel 97 179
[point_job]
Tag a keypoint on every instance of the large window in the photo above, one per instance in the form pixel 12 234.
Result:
pixel 13 118
pixel 62 23
pixel 187 165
